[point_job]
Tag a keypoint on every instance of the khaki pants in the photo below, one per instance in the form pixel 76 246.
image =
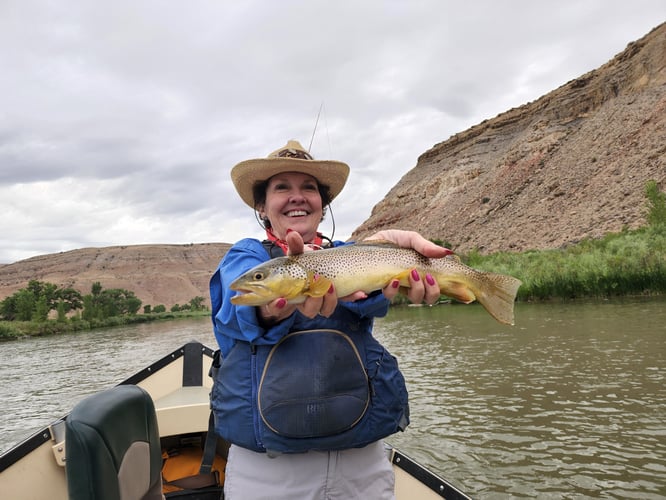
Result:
pixel 357 473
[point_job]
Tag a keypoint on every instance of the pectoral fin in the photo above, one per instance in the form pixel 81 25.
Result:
pixel 319 285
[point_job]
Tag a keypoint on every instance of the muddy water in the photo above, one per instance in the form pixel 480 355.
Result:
pixel 569 403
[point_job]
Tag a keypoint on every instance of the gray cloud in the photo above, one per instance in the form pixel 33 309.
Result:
pixel 119 123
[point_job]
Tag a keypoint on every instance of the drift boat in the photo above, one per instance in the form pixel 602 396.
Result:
pixel 170 398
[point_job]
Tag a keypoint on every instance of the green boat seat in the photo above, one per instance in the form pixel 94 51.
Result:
pixel 113 447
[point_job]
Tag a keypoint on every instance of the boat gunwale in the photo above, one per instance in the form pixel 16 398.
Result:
pixel 427 477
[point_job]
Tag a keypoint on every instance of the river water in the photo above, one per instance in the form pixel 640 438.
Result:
pixel 569 403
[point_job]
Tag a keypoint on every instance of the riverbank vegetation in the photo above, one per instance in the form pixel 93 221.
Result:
pixel 45 309
pixel 10 330
pixel 625 263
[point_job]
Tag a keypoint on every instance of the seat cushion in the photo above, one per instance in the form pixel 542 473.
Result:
pixel 113 447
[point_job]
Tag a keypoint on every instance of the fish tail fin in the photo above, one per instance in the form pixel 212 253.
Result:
pixel 497 294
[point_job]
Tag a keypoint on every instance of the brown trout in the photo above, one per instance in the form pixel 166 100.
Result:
pixel 370 266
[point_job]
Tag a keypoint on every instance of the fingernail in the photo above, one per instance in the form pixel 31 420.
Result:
pixel 330 288
pixel 315 277
pixel 430 279
pixel 281 303
pixel 415 275
pixel 290 231
pixel 395 283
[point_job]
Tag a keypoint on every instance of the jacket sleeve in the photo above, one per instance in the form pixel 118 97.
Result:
pixel 231 322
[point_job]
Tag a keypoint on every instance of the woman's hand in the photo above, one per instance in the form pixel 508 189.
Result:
pixel 412 239
pixel 421 289
pixel 279 309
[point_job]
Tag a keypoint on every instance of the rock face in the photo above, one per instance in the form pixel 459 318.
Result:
pixel 157 274
pixel 571 165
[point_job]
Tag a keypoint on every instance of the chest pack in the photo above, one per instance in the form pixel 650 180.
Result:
pixel 314 390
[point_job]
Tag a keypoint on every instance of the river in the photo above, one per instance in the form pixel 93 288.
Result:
pixel 569 403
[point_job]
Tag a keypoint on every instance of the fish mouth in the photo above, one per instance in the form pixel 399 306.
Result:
pixel 256 290
pixel 245 289
pixel 250 297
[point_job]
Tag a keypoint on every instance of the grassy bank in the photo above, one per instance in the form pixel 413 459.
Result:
pixel 626 263
pixel 10 330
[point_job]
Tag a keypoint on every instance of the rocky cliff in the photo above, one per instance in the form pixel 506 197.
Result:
pixel 570 165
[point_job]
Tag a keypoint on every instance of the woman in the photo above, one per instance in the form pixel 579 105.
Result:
pixel 305 393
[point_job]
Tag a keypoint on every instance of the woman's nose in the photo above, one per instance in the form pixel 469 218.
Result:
pixel 297 197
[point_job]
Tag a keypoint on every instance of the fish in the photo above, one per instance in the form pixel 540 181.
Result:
pixel 368 266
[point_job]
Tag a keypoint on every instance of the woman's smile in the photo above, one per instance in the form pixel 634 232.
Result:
pixel 293 202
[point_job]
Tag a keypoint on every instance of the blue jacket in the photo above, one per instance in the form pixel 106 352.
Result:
pixel 332 387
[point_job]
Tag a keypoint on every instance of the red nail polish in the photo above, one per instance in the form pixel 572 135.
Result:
pixel 415 275
pixel 290 231
pixel 281 303
pixel 395 283
pixel 330 288
pixel 430 279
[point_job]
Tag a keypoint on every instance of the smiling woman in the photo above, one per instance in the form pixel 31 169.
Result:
pixel 293 384
pixel 292 202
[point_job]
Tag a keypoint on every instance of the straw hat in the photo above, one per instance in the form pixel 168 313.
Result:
pixel 290 158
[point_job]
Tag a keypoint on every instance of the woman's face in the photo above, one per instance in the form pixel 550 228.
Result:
pixel 293 202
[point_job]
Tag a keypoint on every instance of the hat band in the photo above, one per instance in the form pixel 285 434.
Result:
pixel 294 153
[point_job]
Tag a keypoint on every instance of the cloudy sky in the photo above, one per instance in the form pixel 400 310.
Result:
pixel 120 121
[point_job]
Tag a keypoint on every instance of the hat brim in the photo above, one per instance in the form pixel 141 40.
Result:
pixel 327 172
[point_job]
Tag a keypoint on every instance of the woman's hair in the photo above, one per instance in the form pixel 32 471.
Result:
pixel 259 194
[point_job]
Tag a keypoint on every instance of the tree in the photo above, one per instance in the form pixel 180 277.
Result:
pixel 37 300
pixel 70 298
pixel 102 303
pixel 62 314
pixel 8 308
pixel 197 303
pixel 25 304
pixel 117 302
pixel 41 310
pixel 46 290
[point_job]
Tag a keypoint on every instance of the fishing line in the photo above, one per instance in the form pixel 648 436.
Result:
pixel 315 126
pixel 259 220
pixel 330 211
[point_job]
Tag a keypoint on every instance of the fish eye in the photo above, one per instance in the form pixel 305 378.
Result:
pixel 258 276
